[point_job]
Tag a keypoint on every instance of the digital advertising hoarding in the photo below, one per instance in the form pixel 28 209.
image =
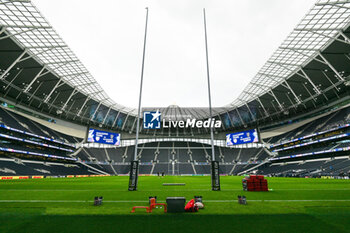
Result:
pixel 103 137
pixel 248 136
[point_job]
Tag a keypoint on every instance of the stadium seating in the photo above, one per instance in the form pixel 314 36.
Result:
pixel 190 158
pixel 194 158
pixel 297 152
pixel 17 121
pixel 12 168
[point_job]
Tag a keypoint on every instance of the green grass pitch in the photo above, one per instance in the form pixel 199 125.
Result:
pixel 65 205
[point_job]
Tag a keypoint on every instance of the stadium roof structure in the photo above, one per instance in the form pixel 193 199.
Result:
pixel 310 69
pixel 23 22
pixel 322 25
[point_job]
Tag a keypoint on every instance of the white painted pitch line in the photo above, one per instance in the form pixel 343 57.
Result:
pixel 43 201
pixel 277 200
pixel 299 200
pixel 111 190
pixel 326 189
pixel 57 201
pixel 127 201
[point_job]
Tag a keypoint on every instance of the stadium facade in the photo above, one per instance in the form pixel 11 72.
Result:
pixel 298 102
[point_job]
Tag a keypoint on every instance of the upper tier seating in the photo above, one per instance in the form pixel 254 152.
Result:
pixel 20 122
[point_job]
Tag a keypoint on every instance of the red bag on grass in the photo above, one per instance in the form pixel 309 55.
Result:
pixel 190 207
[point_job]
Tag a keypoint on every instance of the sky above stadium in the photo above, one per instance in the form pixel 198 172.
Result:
pixel 107 36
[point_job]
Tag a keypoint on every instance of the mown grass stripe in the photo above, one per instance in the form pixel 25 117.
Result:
pixel 126 201
pixel 159 190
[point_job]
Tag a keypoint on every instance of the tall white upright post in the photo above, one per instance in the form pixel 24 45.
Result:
pixel 134 169
pixel 215 176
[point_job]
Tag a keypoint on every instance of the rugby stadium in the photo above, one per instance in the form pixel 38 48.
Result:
pixel 275 159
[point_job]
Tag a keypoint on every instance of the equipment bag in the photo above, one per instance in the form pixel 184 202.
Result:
pixel 190 207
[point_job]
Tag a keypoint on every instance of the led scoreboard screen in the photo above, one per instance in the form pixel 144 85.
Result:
pixel 103 137
pixel 248 136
